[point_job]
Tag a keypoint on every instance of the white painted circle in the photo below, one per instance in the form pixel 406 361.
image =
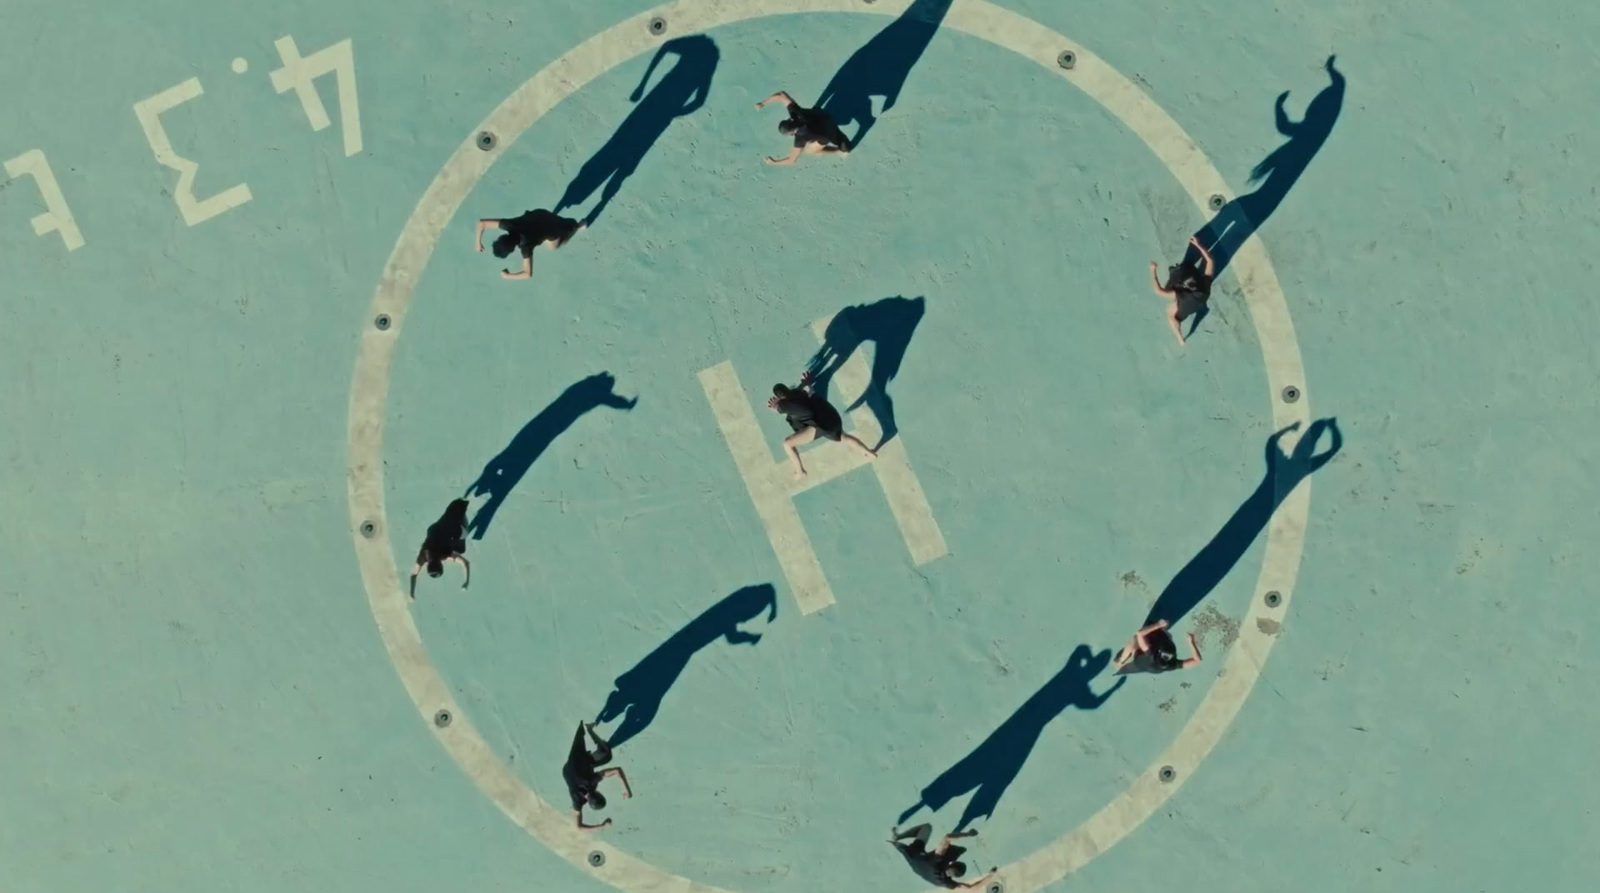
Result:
pixel 979 18
pixel 240 65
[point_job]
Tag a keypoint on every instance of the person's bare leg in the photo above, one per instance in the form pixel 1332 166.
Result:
pixel 792 444
pixel 865 450
pixel 1177 326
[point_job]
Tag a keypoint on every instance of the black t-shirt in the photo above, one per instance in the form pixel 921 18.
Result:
pixel 579 773
pixel 446 536
pixel 931 868
pixel 534 228
pixel 803 410
pixel 814 126
pixel 1161 658
pixel 1193 288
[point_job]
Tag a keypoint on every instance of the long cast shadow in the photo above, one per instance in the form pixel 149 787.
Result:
pixel 504 471
pixel 681 91
pixel 881 66
pixel 994 765
pixel 639 691
pixel 1213 562
pixel 888 324
pixel 1277 173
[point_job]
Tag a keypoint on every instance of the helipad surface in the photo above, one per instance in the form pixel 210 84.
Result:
pixel 250 354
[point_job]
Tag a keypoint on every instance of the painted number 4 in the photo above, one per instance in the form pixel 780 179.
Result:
pixel 299 73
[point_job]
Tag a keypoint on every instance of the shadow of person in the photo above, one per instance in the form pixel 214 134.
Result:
pixel 991 766
pixel 1213 562
pixel 681 91
pixel 881 66
pixel 1240 218
pixel 504 471
pixel 639 691
pixel 888 324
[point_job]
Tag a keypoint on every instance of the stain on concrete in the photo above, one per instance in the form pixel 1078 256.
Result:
pixel 1212 620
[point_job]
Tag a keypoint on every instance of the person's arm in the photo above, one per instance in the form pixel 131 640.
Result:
pixel 780 95
pixel 627 789
pixel 468 566
pixel 483 225
pixel 944 844
pixel 793 154
pixel 525 273
pixel 577 819
pixel 414 571
pixel 974 884
pixel 807 381
pixel 1196 648
pixel 1139 636
pixel 1155 283
pixel 1211 266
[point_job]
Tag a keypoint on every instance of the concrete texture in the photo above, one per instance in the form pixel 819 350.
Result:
pixel 200 699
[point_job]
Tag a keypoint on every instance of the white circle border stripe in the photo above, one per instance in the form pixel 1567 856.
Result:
pixel 369 390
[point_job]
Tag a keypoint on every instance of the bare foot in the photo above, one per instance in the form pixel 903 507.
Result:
pixel 799 473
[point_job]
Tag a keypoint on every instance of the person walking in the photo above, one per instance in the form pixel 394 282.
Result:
pixel 446 541
pixel 1188 288
pixel 814 131
pixel 531 230
pixel 810 417
pixel 583 781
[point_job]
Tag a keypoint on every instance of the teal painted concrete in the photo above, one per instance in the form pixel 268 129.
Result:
pixel 197 696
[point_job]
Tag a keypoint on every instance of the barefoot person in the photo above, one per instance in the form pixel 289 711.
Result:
pixel 814 130
pixel 1188 288
pixel 810 416
pixel 942 865
pixel 446 541
pixel 583 782
pixel 532 229
pixel 1153 651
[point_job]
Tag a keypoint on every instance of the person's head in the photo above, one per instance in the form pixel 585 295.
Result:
pixel 956 869
pixel 788 126
pixel 597 800
pixel 505 244
pixel 780 391
pixel 435 567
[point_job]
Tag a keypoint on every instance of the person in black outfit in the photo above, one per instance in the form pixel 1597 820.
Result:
pixel 809 416
pixel 940 866
pixel 532 229
pixel 583 782
pixel 446 541
pixel 1188 287
pixel 814 130
pixel 1153 651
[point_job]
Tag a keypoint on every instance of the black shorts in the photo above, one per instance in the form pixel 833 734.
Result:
pixel 827 431
pixel 1189 305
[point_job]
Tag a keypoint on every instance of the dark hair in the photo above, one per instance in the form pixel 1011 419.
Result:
pixel 504 244
pixel 780 391
pixel 957 869
pixel 597 800
pixel 435 567
pixel 788 126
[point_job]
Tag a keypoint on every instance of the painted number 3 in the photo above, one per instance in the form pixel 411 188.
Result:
pixel 298 73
